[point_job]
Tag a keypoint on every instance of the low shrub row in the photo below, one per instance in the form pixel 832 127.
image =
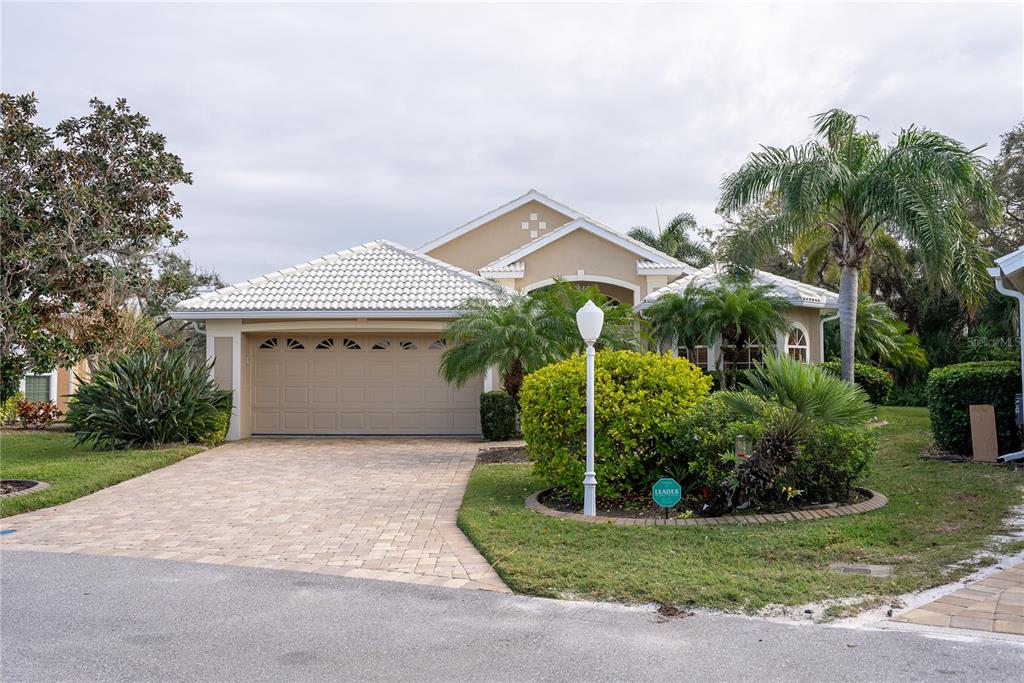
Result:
pixel 497 415
pixel 954 388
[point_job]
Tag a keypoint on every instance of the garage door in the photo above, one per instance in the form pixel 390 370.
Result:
pixel 357 384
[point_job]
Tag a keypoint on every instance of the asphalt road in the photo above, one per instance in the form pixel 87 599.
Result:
pixel 81 618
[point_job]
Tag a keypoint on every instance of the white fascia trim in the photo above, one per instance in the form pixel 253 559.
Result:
pixel 503 274
pixel 667 270
pixel 530 196
pixel 313 315
pixel 627 243
pixel 1011 262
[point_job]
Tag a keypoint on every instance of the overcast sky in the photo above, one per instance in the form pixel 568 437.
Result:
pixel 311 128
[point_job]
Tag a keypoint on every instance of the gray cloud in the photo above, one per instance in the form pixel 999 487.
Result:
pixel 310 128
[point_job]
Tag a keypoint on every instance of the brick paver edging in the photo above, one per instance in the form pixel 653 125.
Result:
pixel 876 501
pixel 39 486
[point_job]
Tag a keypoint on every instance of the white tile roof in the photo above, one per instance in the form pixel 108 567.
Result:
pixel 377 276
pixel 795 292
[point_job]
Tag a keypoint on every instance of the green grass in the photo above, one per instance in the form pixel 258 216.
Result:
pixel 71 472
pixel 938 514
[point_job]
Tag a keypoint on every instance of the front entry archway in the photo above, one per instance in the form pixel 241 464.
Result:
pixel 625 293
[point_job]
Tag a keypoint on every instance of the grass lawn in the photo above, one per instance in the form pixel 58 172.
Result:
pixel 71 472
pixel 938 514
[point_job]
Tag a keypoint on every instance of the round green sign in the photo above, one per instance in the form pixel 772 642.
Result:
pixel 667 492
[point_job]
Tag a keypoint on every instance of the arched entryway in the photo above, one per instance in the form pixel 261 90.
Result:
pixel 625 293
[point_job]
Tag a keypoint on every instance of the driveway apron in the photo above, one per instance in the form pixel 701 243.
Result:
pixel 370 508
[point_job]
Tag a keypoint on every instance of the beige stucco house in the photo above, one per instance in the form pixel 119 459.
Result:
pixel 350 343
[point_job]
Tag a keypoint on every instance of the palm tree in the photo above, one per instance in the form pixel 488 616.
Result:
pixel 846 186
pixel 516 335
pixel 521 333
pixel 735 308
pixel 675 240
pixel 562 299
pixel 881 337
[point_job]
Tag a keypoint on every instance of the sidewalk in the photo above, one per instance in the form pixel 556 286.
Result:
pixel 994 604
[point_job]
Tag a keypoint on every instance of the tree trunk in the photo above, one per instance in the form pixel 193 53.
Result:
pixel 849 288
pixel 512 379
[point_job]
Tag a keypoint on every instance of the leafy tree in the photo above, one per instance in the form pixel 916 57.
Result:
pixel 882 338
pixel 524 332
pixel 1007 175
pixel 88 211
pixel 735 308
pixel 845 186
pixel 675 240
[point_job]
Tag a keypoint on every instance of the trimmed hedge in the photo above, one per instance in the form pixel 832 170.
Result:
pixel 639 401
pixel 876 382
pixel 952 389
pixel 497 415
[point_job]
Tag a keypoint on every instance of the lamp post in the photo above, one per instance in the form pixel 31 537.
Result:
pixel 589 320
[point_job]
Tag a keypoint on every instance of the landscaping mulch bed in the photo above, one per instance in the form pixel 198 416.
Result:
pixel 644 508
pixel 496 455
pixel 17 487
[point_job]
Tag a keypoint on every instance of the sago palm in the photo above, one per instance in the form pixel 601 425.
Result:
pixel 516 335
pixel 846 186
pixel 675 240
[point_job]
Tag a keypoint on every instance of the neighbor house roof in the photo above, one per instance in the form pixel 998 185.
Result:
pixel 795 292
pixel 649 259
pixel 376 279
pixel 530 196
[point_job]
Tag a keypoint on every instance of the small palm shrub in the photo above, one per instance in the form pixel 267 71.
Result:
pixel 497 415
pixel 876 382
pixel 795 401
pixel 146 398
pixel 639 400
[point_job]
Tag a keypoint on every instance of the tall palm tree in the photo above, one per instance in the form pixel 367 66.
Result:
pixel 675 240
pixel 733 308
pixel 845 185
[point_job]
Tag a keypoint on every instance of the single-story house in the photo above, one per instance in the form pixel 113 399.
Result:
pixel 349 343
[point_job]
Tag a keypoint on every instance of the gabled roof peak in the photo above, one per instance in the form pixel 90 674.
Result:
pixel 531 195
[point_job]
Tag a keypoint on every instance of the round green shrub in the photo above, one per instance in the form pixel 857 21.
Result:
pixel 830 460
pixel 952 389
pixel 639 399
pixel 497 415
pixel 876 382
pixel 146 398
pixel 704 436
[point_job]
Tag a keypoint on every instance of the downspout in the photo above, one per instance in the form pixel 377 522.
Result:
pixel 1003 289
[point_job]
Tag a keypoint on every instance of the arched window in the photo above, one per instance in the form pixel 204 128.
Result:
pixel 796 343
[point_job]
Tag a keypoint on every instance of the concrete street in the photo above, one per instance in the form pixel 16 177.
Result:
pixel 78 617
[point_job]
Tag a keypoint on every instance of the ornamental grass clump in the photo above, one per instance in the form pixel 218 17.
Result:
pixel 147 398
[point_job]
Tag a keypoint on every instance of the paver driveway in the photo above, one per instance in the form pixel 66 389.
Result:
pixel 372 508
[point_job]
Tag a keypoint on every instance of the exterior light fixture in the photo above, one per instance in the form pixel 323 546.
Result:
pixel 590 320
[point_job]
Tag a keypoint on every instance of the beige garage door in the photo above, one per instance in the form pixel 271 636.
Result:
pixel 357 384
